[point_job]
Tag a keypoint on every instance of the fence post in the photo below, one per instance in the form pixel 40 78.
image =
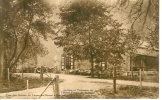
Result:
pixel 41 73
pixel 8 70
pixel 57 93
pixel 8 74
pixel 27 83
pixel 54 87
pixel 22 72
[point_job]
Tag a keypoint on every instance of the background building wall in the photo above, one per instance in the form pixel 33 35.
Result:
pixel 82 64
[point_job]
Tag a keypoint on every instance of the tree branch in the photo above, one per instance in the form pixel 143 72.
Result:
pixel 15 49
pixel 25 45
pixel 148 8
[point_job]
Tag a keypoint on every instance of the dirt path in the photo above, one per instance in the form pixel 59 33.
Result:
pixel 72 83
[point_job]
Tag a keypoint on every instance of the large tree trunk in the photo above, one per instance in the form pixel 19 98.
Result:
pixel 1 46
pixel 22 70
pixel 131 65
pixel 92 70
pixel 1 58
pixel 114 79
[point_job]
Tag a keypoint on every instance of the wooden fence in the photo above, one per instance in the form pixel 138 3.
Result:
pixel 55 83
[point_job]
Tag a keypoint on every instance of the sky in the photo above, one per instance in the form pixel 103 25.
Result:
pixel 53 58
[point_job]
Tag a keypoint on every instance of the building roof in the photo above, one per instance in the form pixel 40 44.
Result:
pixel 145 49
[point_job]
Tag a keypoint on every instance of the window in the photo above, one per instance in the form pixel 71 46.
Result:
pixel 62 62
pixel 67 62
pixel 103 65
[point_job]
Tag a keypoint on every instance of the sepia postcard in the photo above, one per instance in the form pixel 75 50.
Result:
pixel 79 49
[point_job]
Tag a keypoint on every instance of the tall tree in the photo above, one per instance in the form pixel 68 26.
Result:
pixel 1 43
pixel 90 31
pixel 25 22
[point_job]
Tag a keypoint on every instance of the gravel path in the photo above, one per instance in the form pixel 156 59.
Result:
pixel 71 83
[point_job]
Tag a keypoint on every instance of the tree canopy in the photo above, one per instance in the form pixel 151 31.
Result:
pixel 24 23
pixel 90 31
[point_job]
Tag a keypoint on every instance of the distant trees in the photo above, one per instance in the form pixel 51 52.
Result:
pixel 91 32
pixel 23 23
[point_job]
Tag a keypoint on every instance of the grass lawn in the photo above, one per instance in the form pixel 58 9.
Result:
pixel 131 92
pixel 20 84
pixel 123 92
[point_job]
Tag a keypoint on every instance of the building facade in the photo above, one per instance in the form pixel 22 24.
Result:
pixel 142 58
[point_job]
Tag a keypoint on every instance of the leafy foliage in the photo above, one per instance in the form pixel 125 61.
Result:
pixel 25 22
pixel 91 32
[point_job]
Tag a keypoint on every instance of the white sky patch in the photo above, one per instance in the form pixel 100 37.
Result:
pixel 53 58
